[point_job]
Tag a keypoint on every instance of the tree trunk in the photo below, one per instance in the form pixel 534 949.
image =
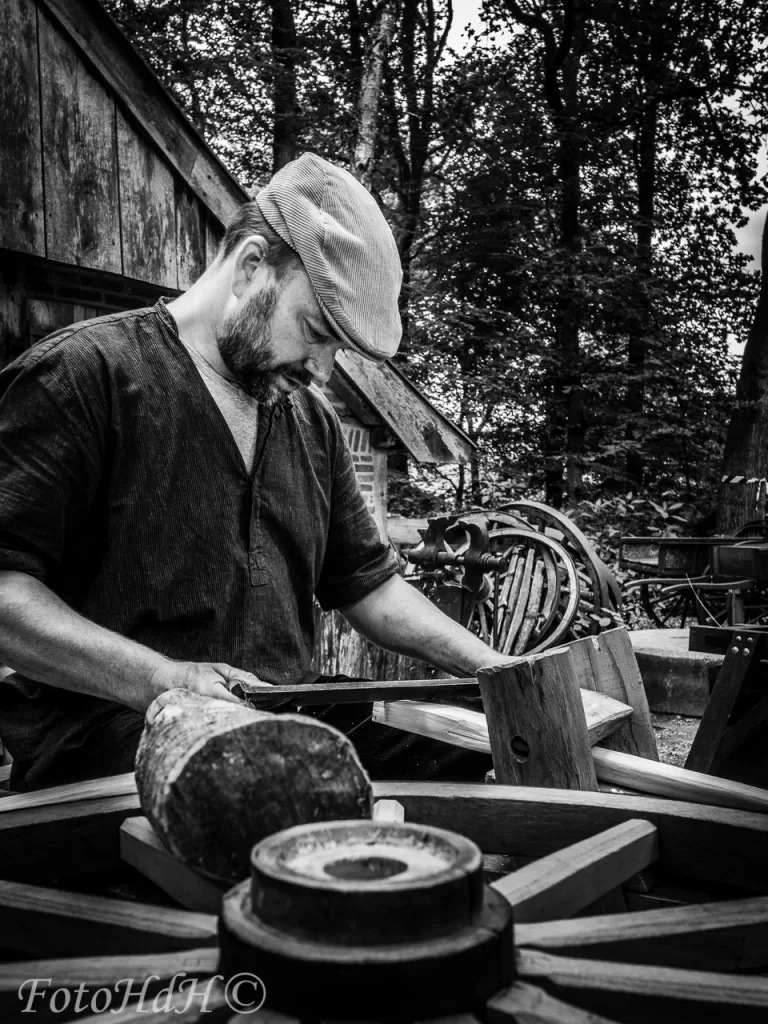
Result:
pixel 746 446
pixel 284 46
pixel 370 95
pixel 640 327
pixel 215 777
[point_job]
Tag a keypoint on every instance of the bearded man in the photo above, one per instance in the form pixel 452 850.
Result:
pixel 173 494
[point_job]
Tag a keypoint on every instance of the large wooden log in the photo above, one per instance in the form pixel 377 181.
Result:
pixel 215 777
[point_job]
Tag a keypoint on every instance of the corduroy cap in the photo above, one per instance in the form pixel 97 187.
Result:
pixel 347 248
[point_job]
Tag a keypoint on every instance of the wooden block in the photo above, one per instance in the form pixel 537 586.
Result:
pixel 246 774
pixel 698 842
pixel 725 936
pixel 607 663
pixel 563 883
pixel 80 158
pixel 21 159
pixel 676 680
pixel 142 849
pixel 49 922
pixel 638 993
pixel 524 1003
pixel 536 723
pixel 388 810
pixel 469 729
pixel 676 783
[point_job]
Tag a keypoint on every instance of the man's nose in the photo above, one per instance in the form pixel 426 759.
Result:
pixel 320 364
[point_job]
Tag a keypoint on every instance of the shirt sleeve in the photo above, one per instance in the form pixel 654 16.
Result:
pixel 51 459
pixel 356 561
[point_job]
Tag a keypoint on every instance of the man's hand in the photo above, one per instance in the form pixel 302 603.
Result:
pixel 212 679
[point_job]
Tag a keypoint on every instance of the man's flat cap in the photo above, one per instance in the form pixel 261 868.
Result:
pixel 346 246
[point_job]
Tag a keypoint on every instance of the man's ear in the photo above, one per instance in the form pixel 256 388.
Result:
pixel 247 258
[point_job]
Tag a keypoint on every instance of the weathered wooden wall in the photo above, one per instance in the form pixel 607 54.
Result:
pixel 80 181
pixel 339 650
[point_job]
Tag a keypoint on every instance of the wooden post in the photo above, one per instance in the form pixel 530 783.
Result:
pixel 215 777
pixel 607 663
pixel 536 723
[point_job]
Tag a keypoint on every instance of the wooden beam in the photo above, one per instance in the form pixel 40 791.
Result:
pixel 469 729
pixel 74 792
pixel 97 972
pixel 524 1003
pixel 565 882
pixel 536 723
pixel 638 993
pixel 49 922
pixel 388 810
pixel 607 663
pixel 352 693
pixel 48 840
pixel 142 849
pixel 695 841
pixel 105 48
pixel 725 936
pixel 676 783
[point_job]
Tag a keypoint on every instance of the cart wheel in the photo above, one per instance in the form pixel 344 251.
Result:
pixel 681 608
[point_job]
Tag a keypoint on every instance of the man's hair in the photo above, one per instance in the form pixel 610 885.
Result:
pixel 249 220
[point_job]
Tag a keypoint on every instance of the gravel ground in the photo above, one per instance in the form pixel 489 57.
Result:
pixel 674 736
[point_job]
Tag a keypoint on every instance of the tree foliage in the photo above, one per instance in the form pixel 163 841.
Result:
pixel 564 184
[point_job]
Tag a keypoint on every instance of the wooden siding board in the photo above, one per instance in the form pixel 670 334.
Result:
pixel 147 209
pixel 21 168
pixel 80 159
pixel 190 237
pixel 213 237
pixel 428 436
pixel 123 70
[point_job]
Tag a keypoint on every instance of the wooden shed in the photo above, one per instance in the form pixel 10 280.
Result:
pixel 109 199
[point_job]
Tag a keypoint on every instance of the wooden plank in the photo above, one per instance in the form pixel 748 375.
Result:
pixel 524 1003
pixel 142 849
pixel 49 922
pixel 565 882
pixel 352 693
pixel 213 237
pixel 73 792
pixel 190 238
pixel 61 840
pixel 21 157
pixel 637 993
pixel 697 842
pixel 607 663
pixel 744 652
pixel 388 810
pixel 80 159
pixel 724 936
pixel 668 780
pixel 140 91
pixel 44 317
pixel 124 976
pixel 469 729
pixel 147 209
pixel 536 723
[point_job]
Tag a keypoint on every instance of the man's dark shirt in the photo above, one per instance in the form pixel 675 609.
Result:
pixel 123 490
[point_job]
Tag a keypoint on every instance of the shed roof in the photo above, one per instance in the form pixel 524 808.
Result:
pixel 425 432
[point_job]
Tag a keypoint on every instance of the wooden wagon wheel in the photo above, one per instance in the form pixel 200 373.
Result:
pixel 673 964
pixel 600 593
pixel 538 596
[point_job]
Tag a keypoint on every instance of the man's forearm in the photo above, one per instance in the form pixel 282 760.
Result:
pixel 43 638
pixel 400 618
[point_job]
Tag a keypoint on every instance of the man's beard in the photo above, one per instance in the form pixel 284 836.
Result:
pixel 245 344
